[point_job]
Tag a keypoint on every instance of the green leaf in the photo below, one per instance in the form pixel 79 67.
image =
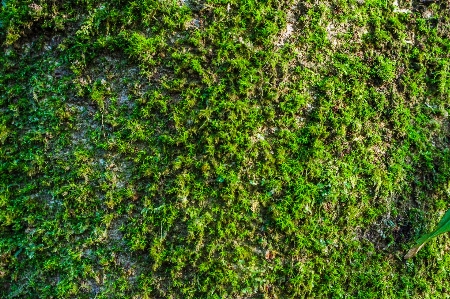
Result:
pixel 443 227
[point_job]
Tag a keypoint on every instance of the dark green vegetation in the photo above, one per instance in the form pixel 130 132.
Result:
pixel 223 149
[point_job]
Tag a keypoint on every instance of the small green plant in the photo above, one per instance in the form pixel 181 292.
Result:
pixel 443 227
pixel 384 69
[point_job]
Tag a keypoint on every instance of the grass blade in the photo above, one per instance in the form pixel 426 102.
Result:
pixel 443 227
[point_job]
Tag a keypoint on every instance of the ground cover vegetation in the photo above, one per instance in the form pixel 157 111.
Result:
pixel 223 149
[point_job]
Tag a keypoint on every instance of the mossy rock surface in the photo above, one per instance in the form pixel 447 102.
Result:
pixel 223 149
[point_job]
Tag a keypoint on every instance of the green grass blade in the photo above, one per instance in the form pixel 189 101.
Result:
pixel 443 227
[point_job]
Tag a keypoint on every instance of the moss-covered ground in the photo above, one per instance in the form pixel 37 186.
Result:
pixel 223 149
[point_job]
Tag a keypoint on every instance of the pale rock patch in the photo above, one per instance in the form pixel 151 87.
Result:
pixel 398 9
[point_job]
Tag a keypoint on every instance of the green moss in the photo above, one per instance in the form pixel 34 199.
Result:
pixel 222 149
